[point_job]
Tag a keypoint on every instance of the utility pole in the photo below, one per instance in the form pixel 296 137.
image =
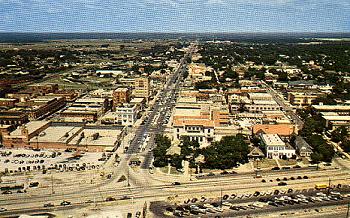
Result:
pixel 128 177
pixel 329 185
pixel 347 212
pixel 52 191
pixel 221 197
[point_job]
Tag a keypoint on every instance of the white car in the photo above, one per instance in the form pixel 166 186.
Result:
pixel 3 209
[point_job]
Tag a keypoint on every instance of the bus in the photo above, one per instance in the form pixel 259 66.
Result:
pixel 321 186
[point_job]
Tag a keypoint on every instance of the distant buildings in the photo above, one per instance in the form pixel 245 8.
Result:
pixel 44 135
pixel 334 115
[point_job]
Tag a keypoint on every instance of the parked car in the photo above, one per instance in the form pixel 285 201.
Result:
pixel 110 199
pixel 49 205
pixel 282 184
pixel 65 203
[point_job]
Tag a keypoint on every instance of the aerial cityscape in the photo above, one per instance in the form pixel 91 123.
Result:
pixel 174 108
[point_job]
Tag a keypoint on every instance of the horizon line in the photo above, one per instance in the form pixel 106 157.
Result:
pixel 174 32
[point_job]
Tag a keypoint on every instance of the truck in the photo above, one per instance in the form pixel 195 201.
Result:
pixel 321 186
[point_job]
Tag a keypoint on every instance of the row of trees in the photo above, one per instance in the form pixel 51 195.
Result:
pixel 312 132
pixel 224 154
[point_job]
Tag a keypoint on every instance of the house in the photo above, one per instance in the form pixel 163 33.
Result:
pixel 255 153
pixel 275 147
pixel 302 147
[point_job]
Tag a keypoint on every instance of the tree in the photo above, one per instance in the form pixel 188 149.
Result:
pixel 316 157
pixel 159 152
pixel 346 145
pixel 282 76
pixel 226 153
pixel 339 134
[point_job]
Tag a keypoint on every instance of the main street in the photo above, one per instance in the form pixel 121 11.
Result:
pixel 286 107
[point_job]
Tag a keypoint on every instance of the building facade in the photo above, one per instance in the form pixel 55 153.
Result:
pixel 275 147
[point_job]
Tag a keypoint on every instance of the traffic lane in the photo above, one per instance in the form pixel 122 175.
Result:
pixel 204 188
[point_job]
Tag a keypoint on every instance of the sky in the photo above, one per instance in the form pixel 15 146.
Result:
pixel 174 15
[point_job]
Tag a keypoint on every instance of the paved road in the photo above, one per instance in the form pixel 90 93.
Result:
pixel 239 184
pixel 280 101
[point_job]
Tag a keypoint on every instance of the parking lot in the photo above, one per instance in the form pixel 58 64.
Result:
pixel 25 160
pixel 258 202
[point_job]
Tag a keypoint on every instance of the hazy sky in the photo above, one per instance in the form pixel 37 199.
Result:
pixel 175 15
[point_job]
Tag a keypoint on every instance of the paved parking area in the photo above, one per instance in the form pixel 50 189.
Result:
pixel 24 160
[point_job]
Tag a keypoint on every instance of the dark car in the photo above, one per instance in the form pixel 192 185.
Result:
pixel 34 184
pixel 65 203
pixel 305 177
pixel 110 199
pixel 282 184
pixel 176 183
pixel 7 192
pixel 276 168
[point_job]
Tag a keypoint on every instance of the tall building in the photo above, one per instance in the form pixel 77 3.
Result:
pixel 121 96
pixel 142 87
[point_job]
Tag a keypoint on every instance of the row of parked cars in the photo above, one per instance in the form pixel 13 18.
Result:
pixel 302 199
pixel 286 179
pixel 277 201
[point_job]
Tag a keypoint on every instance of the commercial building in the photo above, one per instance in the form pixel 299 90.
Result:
pixel 125 115
pixel 84 110
pixel 260 96
pixel 303 98
pixel 201 123
pixel 283 130
pixel 20 137
pixel 262 105
pixel 43 89
pixel 45 135
pixel 41 106
pixel 334 120
pixel 340 109
pixel 15 118
pixel 275 147
pixel 8 102
pixel 142 87
pixel 121 96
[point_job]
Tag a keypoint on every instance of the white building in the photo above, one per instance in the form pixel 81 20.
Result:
pixel 125 115
pixel 275 147
pixel 262 105
pixel 196 129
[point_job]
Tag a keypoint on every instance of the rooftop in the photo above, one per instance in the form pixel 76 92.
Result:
pixel 31 127
pixel 107 137
pixel 272 140
pixel 60 134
